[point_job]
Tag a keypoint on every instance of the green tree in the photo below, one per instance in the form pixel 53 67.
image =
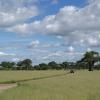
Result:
pixel 65 65
pixel 36 67
pixel 90 57
pixel 43 66
pixel 81 65
pixel 25 64
pixel 7 65
pixel 54 65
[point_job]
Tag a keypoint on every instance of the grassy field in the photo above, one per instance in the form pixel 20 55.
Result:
pixel 52 85
pixel 6 76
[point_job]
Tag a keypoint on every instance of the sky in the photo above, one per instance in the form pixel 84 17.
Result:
pixel 48 30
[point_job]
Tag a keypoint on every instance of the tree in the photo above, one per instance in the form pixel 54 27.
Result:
pixel 25 64
pixel 65 65
pixel 53 65
pixel 43 66
pixel 20 65
pixel 36 67
pixel 81 65
pixel 90 57
pixel 7 65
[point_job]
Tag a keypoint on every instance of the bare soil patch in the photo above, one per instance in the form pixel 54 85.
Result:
pixel 7 86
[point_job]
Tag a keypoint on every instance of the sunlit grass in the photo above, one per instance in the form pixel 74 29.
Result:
pixel 7 76
pixel 82 85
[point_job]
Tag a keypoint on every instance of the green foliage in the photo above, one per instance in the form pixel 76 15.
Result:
pixel 25 64
pixel 43 66
pixel 65 65
pixel 82 65
pixel 54 65
pixel 90 58
pixel 7 65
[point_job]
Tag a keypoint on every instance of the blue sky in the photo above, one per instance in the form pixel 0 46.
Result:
pixel 47 30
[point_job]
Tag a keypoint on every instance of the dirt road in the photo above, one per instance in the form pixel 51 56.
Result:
pixel 7 86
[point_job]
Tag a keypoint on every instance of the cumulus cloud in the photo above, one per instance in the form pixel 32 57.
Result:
pixel 60 56
pixel 15 59
pixel 71 49
pixel 54 54
pixel 76 25
pixel 33 44
pixel 2 54
pixel 89 49
pixel 14 12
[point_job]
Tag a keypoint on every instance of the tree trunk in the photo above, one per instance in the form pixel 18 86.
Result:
pixel 91 64
pixel 90 68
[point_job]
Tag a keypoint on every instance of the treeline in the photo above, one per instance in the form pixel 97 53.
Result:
pixel 90 61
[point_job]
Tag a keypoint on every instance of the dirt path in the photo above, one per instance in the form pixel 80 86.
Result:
pixel 7 86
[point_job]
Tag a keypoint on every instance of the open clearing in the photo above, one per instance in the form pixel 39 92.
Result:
pixel 52 85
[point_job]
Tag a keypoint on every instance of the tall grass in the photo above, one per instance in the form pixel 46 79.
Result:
pixel 82 85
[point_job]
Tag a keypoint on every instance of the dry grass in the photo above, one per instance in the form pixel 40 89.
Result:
pixel 82 85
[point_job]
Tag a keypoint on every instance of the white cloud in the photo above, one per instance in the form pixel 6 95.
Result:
pixel 23 29
pixel 76 25
pixel 34 43
pixel 15 59
pixel 71 49
pixel 53 54
pixel 89 49
pixel 93 42
pixel 14 12
pixel 60 56
pixel 6 54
